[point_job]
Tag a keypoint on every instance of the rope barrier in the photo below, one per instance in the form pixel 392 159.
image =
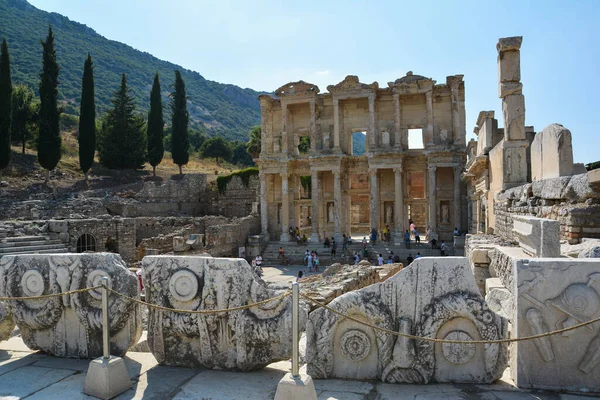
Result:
pixel 46 296
pixel 205 312
pixel 377 328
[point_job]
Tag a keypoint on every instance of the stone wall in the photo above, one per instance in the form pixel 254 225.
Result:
pixel 571 200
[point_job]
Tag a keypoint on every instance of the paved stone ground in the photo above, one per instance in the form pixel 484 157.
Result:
pixel 34 376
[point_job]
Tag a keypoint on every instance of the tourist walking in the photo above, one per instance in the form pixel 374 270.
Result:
pixel 417 237
pixel 443 248
pixel 374 236
pixel 407 239
pixel 333 247
pixel 309 262
pixel 344 244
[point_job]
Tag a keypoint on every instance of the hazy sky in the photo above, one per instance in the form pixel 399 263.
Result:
pixel 263 45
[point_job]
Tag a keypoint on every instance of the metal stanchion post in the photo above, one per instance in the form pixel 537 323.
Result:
pixel 105 326
pixel 295 329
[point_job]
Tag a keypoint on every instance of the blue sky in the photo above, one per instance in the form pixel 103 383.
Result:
pixel 263 45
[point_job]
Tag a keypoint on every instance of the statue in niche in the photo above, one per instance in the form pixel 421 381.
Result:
pixel 443 134
pixel 445 214
pixel 389 213
pixel 329 212
pixel 296 143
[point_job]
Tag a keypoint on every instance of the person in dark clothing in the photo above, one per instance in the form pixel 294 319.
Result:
pixel 409 259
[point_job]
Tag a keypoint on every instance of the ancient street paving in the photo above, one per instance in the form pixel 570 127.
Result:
pixel 33 375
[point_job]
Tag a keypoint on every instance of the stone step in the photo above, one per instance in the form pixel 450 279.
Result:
pixel 31 248
pixel 49 251
pixel 31 243
pixel 24 238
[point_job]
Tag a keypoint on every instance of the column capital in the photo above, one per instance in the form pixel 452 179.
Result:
pixel 398 170
pixel 285 175
pixel 432 167
pixel 373 172
pixel 336 173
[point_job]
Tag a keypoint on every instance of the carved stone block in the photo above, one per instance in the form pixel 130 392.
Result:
pixel 553 294
pixel 539 237
pixel 71 325
pixel 6 322
pixel 509 66
pixel 513 109
pixel 551 153
pixel 240 340
pixel 434 298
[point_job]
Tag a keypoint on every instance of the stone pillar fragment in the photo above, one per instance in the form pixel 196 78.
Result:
pixel 398 205
pixel 284 138
pixel 336 126
pixel 264 213
pixel 374 199
pixel 432 201
pixel 337 209
pixel 429 115
pixel 285 209
pixel 314 218
pixel 457 198
pixel 313 126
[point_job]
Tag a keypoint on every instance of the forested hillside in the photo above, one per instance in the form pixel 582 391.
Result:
pixel 226 110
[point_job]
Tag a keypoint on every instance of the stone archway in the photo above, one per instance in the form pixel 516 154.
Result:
pixel 86 242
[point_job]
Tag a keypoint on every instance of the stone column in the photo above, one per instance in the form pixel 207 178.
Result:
pixel 398 206
pixel 336 126
pixel 313 126
pixel 264 213
pixel 397 136
pixel 285 209
pixel 371 134
pixel 374 199
pixel 284 138
pixel 265 110
pixel 314 217
pixel 293 187
pixel 431 188
pixel 457 199
pixel 455 114
pixel 429 115
pixel 337 208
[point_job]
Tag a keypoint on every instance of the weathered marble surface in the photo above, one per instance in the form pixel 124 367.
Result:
pixel 539 237
pixel 71 325
pixel 240 340
pixel 433 297
pixel 553 294
pixel 6 322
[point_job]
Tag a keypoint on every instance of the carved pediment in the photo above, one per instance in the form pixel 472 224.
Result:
pixel 297 89
pixel 351 83
pixel 410 78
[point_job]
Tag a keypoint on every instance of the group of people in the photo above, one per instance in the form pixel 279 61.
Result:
pixel 311 260
pixel 295 234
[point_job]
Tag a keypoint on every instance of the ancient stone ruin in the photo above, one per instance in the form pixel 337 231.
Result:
pixel 433 298
pixel 242 340
pixel 71 325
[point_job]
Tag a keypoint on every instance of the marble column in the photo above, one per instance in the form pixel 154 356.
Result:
pixel 429 115
pixel 455 114
pixel 313 126
pixel 457 199
pixel 264 213
pixel 285 209
pixel 397 136
pixel 314 209
pixel 336 126
pixel 337 207
pixel 284 138
pixel 371 133
pixel 293 187
pixel 398 206
pixel 431 188
pixel 266 113
pixel 374 199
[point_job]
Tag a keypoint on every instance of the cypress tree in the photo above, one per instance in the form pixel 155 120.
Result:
pixel 179 121
pixel 87 118
pixel 123 138
pixel 49 138
pixel 5 105
pixel 156 126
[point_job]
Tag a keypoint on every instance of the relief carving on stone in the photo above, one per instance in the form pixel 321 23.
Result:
pixel 71 325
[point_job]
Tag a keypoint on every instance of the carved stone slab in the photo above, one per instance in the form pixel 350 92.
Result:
pixel 71 325
pixel 6 323
pixel 554 294
pixel 434 297
pixel 539 237
pixel 241 340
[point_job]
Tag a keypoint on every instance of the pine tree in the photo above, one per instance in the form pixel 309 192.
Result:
pixel 179 121
pixel 49 138
pixel 87 119
pixel 5 105
pixel 123 138
pixel 156 126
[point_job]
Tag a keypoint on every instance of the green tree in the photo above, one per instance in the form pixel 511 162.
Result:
pixel 156 127
pixel 304 144
pixel 5 105
pixel 123 137
pixel 87 118
pixel 49 140
pixel 215 147
pixel 25 113
pixel 180 141
pixel 253 146
pixel 239 155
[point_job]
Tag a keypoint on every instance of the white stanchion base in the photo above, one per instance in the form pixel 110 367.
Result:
pixel 299 388
pixel 106 378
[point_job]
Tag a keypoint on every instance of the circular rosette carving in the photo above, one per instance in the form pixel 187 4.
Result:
pixel 94 279
pixel 183 285
pixel 32 283
pixel 458 353
pixel 355 345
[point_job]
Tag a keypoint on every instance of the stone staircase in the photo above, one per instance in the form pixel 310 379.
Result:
pixel 295 253
pixel 30 245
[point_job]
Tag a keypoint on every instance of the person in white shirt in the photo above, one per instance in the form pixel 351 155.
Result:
pixel 380 260
pixel 443 248
pixel 259 261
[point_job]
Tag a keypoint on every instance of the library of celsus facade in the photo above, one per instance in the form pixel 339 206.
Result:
pixel 314 177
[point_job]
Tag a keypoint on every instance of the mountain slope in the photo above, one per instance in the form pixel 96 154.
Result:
pixel 226 110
